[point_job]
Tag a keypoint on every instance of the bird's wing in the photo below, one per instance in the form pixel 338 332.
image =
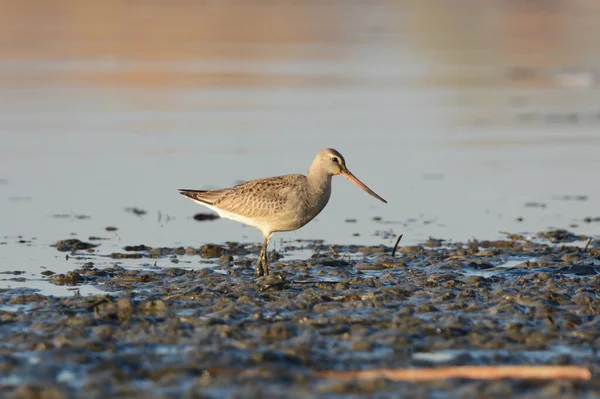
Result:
pixel 261 197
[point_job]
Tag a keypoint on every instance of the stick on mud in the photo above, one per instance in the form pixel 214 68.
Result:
pixel 525 372
pixel 587 245
pixel 396 245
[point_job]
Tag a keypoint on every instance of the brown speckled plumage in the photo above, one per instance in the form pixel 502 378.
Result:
pixel 260 197
pixel 281 203
pixel 272 200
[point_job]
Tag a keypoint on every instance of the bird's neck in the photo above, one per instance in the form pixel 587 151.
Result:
pixel 319 182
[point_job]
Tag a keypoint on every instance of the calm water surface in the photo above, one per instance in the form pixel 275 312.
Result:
pixel 459 117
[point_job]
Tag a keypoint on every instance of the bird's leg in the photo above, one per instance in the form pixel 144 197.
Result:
pixel 265 259
pixel 262 266
pixel 259 269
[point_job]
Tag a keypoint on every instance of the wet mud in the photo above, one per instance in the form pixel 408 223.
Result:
pixel 219 331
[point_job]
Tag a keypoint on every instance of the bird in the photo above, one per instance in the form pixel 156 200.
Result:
pixel 281 203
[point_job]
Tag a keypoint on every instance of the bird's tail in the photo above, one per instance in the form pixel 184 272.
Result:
pixel 208 197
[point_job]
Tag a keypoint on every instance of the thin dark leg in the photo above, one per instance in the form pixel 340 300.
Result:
pixel 259 268
pixel 265 261
pixel 262 266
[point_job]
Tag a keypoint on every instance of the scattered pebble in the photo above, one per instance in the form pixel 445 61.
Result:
pixel 201 217
pixel 73 244
pixel 136 211
pixel 590 219
pixel 571 197
pixel 535 205
pixel 211 251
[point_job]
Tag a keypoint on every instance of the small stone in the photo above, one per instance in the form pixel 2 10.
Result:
pixel 411 249
pixel 72 244
pixel 211 251
pixel 201 217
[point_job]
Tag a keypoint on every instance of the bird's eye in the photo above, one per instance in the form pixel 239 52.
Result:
pixel 335 160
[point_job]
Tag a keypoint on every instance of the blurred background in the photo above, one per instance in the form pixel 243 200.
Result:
pixel 471 117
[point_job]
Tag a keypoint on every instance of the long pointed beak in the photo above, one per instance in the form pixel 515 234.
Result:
pixel 348 175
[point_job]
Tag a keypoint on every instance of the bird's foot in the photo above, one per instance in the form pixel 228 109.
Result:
pixel 262 266
pixel 259 268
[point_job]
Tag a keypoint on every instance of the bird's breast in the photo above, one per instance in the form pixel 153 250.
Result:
pixel 300 209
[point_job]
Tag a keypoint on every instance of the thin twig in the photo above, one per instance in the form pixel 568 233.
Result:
pixel 469 372
pixel 587 245
pixel 284 284
pixel 396 245
pixel 335 254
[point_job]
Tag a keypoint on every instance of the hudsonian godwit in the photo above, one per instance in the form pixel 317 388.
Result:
pixel 282 203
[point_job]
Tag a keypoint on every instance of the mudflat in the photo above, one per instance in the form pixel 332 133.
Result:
pixel 219 331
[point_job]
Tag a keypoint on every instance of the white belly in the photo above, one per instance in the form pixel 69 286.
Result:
pixel 238 218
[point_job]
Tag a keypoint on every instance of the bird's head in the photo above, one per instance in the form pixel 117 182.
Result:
pixel 334 163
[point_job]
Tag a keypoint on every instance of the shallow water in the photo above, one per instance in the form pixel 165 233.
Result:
pixel 458 124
